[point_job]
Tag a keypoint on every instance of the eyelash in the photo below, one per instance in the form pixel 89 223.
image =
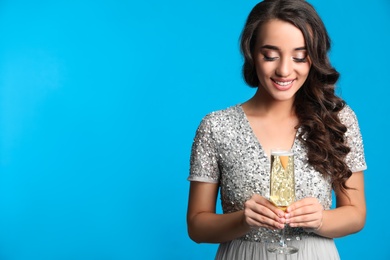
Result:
pixel 302 60
pixel 266 58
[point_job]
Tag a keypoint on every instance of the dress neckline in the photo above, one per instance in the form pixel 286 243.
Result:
pixel 254 137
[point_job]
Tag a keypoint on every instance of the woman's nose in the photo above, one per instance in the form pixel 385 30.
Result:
pixel 284 67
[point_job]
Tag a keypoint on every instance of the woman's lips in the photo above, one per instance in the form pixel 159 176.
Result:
pixel 283 84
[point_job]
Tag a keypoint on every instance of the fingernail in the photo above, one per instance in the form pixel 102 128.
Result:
pixel 287 215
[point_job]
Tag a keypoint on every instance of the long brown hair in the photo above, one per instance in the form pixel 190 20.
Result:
pixel 316 103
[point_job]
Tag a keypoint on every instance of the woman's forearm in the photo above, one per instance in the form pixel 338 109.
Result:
pixel 349 216
pixel 206 227
pixel 341 221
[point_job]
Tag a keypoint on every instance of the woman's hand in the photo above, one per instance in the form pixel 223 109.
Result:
pixel 260 212
pixel 305 213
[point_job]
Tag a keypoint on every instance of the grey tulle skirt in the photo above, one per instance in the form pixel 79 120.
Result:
pixel 310 248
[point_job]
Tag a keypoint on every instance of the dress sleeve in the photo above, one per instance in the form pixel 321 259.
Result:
pixel 355 158
pixel 204 162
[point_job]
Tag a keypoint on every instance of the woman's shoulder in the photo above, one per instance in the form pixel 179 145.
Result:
pixel 346 111
pixel 226 115
pixel 221 121
pixel 347 115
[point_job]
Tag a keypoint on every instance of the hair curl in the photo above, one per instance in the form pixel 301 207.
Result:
pixel 316 103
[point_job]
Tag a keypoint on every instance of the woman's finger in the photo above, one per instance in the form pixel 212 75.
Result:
pixel 259 212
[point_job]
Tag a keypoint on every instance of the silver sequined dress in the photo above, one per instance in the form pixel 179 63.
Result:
pixel 226 151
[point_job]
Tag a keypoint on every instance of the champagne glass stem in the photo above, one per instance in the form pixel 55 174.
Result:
pixel 282 242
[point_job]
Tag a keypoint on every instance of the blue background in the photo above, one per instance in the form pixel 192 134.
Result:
pixel 99 103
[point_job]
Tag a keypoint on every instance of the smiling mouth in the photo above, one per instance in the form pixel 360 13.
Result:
pixel 283 83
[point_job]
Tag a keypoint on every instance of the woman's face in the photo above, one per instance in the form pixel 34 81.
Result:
pixel 281 60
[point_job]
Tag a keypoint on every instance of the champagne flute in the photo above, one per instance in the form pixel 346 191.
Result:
pixel 282 191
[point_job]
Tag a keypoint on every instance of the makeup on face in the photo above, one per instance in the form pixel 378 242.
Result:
pixel 272 53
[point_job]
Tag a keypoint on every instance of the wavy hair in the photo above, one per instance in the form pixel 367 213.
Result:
pixel 316 104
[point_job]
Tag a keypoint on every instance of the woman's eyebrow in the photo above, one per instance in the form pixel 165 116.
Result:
pixel 272 47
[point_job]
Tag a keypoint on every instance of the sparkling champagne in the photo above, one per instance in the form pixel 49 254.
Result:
pixel 282 185
pixel 282 192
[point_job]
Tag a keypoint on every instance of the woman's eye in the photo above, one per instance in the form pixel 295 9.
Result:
pixel 268 58
pixel 300 59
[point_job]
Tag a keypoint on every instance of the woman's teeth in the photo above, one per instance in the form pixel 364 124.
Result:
pixel 285 83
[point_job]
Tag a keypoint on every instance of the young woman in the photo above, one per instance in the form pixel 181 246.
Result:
pixel 285 46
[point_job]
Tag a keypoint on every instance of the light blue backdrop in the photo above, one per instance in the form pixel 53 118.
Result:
pixel 100 100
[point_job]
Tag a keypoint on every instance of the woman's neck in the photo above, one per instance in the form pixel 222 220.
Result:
pixel 262 104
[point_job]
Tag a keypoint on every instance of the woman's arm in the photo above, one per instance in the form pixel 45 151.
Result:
pixel 204 225
pixel 350 214
pixel 348 217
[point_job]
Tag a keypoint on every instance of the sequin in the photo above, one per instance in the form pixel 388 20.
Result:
pixel 226 151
